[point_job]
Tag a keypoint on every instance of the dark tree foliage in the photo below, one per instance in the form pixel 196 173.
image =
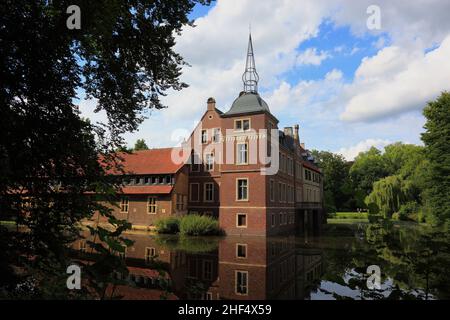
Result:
pixel 437 151
pixel 122 56
pixel 140 145
pixel 337 185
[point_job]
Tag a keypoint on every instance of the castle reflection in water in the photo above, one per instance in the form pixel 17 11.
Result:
pixel 236 268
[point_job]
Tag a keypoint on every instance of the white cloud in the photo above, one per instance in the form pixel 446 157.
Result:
pixel 311 57
pixel 351 152
pixel 397 80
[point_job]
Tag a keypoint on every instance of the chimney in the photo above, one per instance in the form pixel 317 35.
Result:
pixel 296 133
pixel 303 145
pixel 288 131
pixel 211 103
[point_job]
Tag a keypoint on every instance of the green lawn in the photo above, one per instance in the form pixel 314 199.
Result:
pixel 348 217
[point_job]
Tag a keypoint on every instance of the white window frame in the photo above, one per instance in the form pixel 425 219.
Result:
pixel 238 153
pixel 236 291
pixel 204 133
pixel 205 191
pixel 237 189
pixel 124 204
pixel 237 220
pixel 152 205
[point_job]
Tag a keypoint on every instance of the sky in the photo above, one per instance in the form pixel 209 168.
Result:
pixel 348 85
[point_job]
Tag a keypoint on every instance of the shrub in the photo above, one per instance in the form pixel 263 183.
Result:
pixel 407 211
pixel 168 225
pixel 197 225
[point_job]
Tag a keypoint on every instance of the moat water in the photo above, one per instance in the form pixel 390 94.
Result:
pixel 337 264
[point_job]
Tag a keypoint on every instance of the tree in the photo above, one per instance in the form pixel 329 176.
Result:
pixel 140 145
pixel 437 151
pixel 337 187
pixel 367 168
pixel 123 57
pixel 387 195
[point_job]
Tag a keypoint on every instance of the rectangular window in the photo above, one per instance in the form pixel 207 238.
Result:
pixel 195 162
pixel 150 253
pixel 242 125
pixel 194 192
pixel 207 269
pixel 273 220
pixel 208 296
pixel 242 153
pixel 271 190
pixel 241 220
pixel 82 246
pixel 204 136
pixel 124 205
pixel 280 192
pixel 151 205
pixel 209 165
pixel 241 250
pixel 242 189
pixel 216 135
pixel 179 202
pixel 241 282
pixel 209 192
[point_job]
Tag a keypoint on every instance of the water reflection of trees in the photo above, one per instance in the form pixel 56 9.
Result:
pixel 413 262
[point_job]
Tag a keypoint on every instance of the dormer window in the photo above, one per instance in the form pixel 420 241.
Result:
pixel 242 125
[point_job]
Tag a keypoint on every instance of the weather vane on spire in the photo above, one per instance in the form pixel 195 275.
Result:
pixel 250 76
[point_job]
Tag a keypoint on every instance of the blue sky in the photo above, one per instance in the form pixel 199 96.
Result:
pixel 348 87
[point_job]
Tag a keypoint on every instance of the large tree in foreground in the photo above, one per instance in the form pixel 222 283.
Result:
pixel 437 151
pixel 123 57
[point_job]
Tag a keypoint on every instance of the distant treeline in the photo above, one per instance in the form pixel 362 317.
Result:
pixel 406 182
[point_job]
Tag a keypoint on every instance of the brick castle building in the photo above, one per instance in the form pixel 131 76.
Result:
pixel 225 172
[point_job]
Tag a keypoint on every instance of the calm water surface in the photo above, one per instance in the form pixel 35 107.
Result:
pixel 413 264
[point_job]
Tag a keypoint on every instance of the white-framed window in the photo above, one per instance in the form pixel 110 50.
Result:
pixel 216 135
pixel 242 153
pixel 151 205
pixel 241 282
pixel 209 163
pixel 124 204
pixel 241 250
pixel 242 189
pixel 194 192
pixel 204 136
pixel 241 220
pixel 242 124
pixel 150 253
pixel 209 192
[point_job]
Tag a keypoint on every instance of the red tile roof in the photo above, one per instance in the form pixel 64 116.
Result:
pixel 311 166
pixel 152 161
pixel 147 189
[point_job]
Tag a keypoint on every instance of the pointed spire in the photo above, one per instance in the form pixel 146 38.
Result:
pixel 250 76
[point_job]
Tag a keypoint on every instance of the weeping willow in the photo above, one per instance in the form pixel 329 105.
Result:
pixel 386 196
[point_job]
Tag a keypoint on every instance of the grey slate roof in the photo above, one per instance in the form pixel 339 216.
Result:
pixel 248 102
